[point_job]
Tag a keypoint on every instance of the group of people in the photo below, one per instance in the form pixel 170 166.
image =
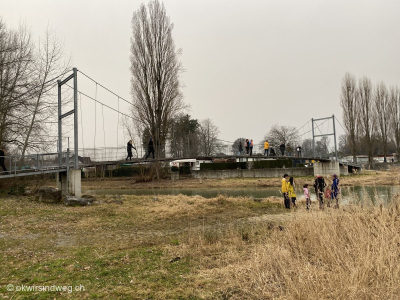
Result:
pixel 248 145
pixel 268 150
pixel 150 149
pixel 289 150
pixel 329 194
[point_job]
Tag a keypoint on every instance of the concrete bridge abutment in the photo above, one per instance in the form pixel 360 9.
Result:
pixel 71 183
pixel 325 168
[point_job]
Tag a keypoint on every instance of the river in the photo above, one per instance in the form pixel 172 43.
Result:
pixel 354 194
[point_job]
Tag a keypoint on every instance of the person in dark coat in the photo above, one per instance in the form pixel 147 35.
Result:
pixel 282 147
pixel 298 149
pixel 240 148
pixel 151 148
pixel 319 186
pixel 2 157
pixel 129 147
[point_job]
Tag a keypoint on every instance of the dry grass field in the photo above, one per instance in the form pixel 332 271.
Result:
pixel 180 247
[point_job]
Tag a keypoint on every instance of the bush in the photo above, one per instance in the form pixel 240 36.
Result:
pixel 184 170
pixel 127 171
pixel 13 186
pixel 223 166
pixel 266 164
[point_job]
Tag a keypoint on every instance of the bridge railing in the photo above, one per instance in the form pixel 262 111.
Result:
pixel 21 164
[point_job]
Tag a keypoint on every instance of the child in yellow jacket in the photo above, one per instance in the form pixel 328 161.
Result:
pixel 285 191
pixel 292 194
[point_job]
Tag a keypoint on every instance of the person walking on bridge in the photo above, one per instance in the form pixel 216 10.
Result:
pixel 2 157
pixel 129 147
pixel 151 148
pixel 266 148
pixel 282 147
pixel 240 148
pixel 251 147
pixel 298 149
pixel 247 146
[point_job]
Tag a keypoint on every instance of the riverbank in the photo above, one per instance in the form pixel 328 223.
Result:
pixel 181 247
pixel 368 178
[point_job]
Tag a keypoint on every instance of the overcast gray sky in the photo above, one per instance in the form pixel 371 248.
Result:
pixel 249 64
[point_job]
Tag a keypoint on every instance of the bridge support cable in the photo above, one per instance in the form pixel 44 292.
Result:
pixel 104 132
pixel 95 123
pixel 116 152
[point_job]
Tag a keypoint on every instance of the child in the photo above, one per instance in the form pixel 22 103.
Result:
pixel 307 196
pixel 328 195
pixel 335 190
pixel 292 194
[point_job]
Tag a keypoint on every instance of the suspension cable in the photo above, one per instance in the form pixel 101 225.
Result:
pixel 104 131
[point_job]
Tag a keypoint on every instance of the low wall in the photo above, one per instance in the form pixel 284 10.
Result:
pixel 255 173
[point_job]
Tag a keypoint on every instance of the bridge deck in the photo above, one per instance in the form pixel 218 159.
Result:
pixel 169 159
pixel 31 172
pixel 56 169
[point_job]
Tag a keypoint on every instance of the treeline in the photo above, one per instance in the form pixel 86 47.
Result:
pixel 186 137
pixel 371 115
pixel 26 107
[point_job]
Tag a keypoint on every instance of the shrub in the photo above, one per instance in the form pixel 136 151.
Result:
pixel 127 171
pixel 184 170
pixel 223 166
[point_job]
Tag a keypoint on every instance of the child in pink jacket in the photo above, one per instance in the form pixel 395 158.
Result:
pixel 307 196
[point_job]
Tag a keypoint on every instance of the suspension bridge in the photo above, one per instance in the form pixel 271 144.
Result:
pixel 68 161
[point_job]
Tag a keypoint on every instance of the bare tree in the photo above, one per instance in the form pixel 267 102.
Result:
pixel 208 137
pixel 349 102
pixel 15 69
pixel 307 148
pixel 395 114
pixel 155 70
pixel 382 107
pixel 367 117
pixel 282 134
pixel 48 63
pixel 322 147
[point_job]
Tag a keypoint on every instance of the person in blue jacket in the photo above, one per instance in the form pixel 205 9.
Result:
pixel 335 190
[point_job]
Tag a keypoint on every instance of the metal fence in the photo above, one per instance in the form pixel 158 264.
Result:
pixel 104 154
pixel 32 164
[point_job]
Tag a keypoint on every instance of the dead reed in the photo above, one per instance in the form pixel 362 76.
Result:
pixel 351 253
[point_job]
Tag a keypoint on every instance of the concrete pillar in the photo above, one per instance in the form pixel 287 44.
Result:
pixel 344 170
pixel 326 168
pixel 74 183
pixel 62 183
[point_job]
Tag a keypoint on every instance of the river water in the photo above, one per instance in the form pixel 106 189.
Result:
pixel 376 194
